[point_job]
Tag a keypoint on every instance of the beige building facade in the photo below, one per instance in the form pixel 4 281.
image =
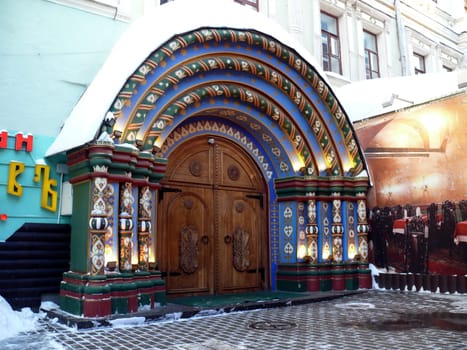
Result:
pixel 352 39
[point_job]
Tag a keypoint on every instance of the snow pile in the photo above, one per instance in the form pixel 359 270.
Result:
pixel 14 322
pixel 375 272
pixel 127 322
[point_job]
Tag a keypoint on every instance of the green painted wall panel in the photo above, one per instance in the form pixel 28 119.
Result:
pixel 79 228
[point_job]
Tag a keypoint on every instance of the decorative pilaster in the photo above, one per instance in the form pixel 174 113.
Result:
pixel 326 249
pixel 288 239
pixel 331 212
pixel 295 17
pixel 362 228
pixel 103 279
pixel 302 244
pixel 337 229
pixel 364 273
pixel 144 227
pixel 312 230
pixel 98 225
pixel 351 246
pixel 126 226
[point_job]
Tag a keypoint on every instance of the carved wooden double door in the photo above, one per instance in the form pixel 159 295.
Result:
pixel 212 233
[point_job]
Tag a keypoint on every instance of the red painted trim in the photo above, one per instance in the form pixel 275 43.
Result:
pixel 70 294
pixel 72 280
pixel 97 308
pixel 364 280
pixel 140 182
pixel 133 303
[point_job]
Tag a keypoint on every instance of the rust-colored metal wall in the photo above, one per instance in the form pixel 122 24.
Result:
pixel 418 155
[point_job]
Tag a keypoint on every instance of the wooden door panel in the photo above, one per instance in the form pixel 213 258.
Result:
pixel 194 168
pixel 240 235
pixel 236 171
pixel 189 242
pixel 212 231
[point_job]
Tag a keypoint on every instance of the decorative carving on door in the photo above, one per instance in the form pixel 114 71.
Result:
pixel 241 251
pixel 239 207
pixel 188 203
pixel 195 168
pixel 233 172
pixel 189 239
pixel 211 224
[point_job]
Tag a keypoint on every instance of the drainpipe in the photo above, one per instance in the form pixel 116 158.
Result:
pixel 60 169
pixel 401 39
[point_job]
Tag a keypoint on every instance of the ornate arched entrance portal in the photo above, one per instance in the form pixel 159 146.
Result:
pixel 260 99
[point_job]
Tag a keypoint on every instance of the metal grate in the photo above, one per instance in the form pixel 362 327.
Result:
pixel 273 325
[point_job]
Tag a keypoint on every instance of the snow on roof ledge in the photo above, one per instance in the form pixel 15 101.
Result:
pixel 369 98
pixel 143 37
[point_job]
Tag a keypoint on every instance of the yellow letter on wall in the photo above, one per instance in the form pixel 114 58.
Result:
pixel 14 187
pixel 47 191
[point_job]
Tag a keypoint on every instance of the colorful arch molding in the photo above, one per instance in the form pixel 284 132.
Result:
pixel 242 68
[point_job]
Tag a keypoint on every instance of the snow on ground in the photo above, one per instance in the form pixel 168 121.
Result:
pixel 375 272
pixel 17 327
pixel 17 330
pixel 124 322
pixel 14 322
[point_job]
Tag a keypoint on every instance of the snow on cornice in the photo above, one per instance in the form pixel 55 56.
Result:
pixel 369 98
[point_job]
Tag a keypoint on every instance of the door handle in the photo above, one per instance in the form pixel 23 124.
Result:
pixel 227 239
pixel 205 239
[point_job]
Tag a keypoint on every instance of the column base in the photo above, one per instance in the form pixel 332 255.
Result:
pixel 321 277
pixel 117 293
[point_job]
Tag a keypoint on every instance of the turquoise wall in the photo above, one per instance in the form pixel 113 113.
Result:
pixel 49 54
pixel 16 209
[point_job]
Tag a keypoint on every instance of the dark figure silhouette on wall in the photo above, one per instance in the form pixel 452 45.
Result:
pixel 448 225
pixel 381 220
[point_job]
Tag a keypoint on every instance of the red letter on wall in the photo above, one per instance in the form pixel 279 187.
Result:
pixel 20 140
pixel 4 139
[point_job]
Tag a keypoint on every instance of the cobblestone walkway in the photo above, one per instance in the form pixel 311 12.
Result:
pixel 373 320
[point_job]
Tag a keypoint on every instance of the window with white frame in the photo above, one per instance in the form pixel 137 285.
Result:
pixel 419 63
pixel 371 55
pixel 330 43
pixel 449 58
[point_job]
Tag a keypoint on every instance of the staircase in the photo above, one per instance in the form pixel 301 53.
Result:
pixel 32 262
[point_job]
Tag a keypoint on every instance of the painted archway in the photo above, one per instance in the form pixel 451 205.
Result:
pixel 253 89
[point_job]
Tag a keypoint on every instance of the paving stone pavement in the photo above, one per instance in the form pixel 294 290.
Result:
pixel 372 320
